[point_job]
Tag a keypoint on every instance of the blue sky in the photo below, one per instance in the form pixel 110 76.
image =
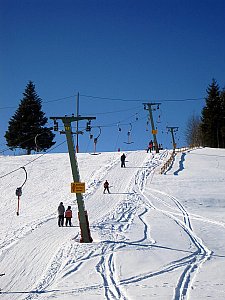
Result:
pixel 124 52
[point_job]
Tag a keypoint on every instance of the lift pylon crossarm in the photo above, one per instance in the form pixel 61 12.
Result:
pixel 72 118
pixel 150 104
pixel 172 128
pixel 77 132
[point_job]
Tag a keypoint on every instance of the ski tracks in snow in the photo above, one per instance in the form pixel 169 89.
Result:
pixel 113 225
pixel 64 264
pixel 193 262
pixel 175 210
pixel 72 256
pixel 112 229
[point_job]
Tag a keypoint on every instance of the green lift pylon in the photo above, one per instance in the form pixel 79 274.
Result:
pixel 148 106
pixel 172 130
pixel 82 213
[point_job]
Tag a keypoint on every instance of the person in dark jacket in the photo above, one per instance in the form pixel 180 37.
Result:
pixel 68 215
pixel 122 158
pixel 61 212
pixel 106 187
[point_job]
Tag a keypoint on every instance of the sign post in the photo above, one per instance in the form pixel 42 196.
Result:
pixel 77 187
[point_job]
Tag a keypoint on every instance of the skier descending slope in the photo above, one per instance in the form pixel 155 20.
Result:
pixel 123 157
pixel 106 187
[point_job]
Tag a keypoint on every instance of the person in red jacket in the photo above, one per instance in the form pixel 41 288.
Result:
pixel 68 215
pixel 150 146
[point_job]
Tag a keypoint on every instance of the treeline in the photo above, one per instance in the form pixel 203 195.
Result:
pixel 208 129
pixel 27 127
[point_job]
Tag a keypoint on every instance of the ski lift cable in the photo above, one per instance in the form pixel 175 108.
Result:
pixel 125 124
pixel 48 101
pixel 32 160
pixel 44 153
pixel 121 122
pixel 115 124
pixel 27 140
pixel 112 99
pixel 115 111
pixel 130 117
pixel 138 100
pixel 139 119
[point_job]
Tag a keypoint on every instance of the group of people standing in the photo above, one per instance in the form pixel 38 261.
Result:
pixel 62 214
pixel 151 147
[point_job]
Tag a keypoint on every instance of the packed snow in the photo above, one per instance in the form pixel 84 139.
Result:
pixel 155 236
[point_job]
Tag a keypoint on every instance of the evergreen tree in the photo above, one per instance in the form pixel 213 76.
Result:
pixel 212 117
pixel 26 128
pixel 222 124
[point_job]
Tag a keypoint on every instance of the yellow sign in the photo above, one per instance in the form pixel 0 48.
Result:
pixel 78 187
pixel 154 131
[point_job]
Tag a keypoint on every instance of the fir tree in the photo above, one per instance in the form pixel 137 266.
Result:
pixel 222 119
pixel 26 128
pixel 212 117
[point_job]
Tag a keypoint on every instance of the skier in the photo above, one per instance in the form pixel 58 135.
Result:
pixel 61 212
pixel 123 157
pixel 150 146
pixel 106 187
pixel 68 215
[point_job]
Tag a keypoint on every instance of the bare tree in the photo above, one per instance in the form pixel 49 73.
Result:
pixel 193 131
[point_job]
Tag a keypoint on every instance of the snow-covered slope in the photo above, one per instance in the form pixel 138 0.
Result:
pixel 154 236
